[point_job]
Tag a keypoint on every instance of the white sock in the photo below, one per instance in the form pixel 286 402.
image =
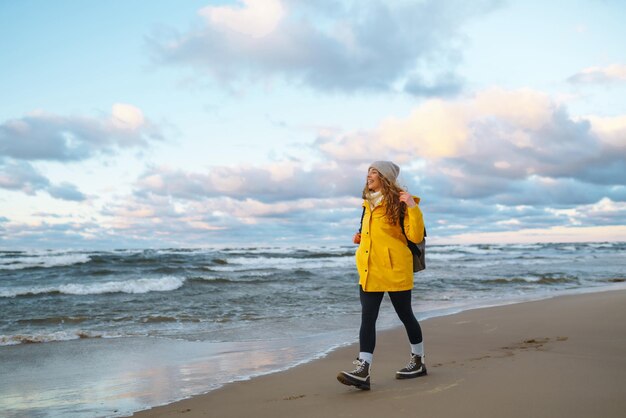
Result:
pixel 366 356
pixel 418 349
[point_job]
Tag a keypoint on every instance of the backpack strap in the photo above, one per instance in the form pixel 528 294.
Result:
pixel 402 228
pixel 361 223
pixel 417 248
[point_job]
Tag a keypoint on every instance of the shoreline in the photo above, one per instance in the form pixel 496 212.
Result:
pixel 454 357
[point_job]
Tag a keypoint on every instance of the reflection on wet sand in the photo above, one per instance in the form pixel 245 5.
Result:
pixel 109 377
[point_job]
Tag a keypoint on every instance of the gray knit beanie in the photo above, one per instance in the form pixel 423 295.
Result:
pixel 388 169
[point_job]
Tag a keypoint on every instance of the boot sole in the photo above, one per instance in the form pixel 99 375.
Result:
pixel 412 376
pixel 347 380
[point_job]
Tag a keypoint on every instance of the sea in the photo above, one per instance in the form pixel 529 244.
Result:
pixel 108 333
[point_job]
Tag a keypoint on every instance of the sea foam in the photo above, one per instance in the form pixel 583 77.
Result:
pixel 43 261
pixel 52 336
pixel 163 284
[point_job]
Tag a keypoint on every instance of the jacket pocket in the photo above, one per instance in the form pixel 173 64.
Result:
pixel 388 259
pixel 400 260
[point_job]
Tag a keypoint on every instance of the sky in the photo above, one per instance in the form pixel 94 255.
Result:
pixel 156 123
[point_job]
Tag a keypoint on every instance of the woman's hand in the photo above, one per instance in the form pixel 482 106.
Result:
pixel 408 199
pixel 356 238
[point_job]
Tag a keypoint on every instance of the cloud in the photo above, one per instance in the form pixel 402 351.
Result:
pixel 439 128
pixel 444 85
pixel 497 161
pixel 543 235
pixel 494 163
pixel 610 130
pixel 284 201
pixel 22 176
pixel 66 191
pixel 542 191
pixel 450 217
pixel 487 144
pixel 125 117
pixel 227 220
pixel 42 136
pixel 283 181
pixel 257 18
pixel 66 235
pixel 330 46
pixel 603 212
pixel 615 73
pixel 45 136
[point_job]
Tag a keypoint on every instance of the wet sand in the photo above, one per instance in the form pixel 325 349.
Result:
pixel 561 357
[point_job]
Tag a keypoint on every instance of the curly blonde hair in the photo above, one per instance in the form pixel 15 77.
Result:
pixel 391 196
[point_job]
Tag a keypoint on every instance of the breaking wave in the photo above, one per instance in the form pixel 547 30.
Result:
pixel 43 261
pixel 164 284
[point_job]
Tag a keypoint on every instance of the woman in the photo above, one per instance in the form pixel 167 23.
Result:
pixel 385 264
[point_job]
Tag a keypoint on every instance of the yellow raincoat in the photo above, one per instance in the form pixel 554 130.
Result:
pixel 383 260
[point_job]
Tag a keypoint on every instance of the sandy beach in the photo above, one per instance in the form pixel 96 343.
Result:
pixel 560 357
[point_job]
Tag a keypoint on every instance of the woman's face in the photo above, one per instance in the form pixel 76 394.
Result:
pixel 373 180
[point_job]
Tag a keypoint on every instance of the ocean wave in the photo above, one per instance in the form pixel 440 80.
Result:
pixel 237 263
pixel 163 284
pixel 607 245
pixel 464 249
pixel 256 250
pixel 53 336
pixel 202 280
pixel 290 251
pixel 255 277
pixel 54 320
pixel 164 319
pixel 44 261
pixel 544 279
pixel 443 256
pixel 295 255
pixel 527 262
pixel 521 246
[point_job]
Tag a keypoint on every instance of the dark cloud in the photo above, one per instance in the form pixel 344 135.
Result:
pixel 348 46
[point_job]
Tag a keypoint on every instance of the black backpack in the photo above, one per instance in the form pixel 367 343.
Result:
pixel 417 249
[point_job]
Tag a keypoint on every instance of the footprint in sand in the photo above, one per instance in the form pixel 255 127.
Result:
pixel 536 343
pixel 293 397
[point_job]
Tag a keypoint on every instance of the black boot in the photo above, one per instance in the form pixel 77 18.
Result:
pixel 415 368
pixel 359 377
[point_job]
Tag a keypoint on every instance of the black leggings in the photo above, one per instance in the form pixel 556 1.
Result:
pixel 370 304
